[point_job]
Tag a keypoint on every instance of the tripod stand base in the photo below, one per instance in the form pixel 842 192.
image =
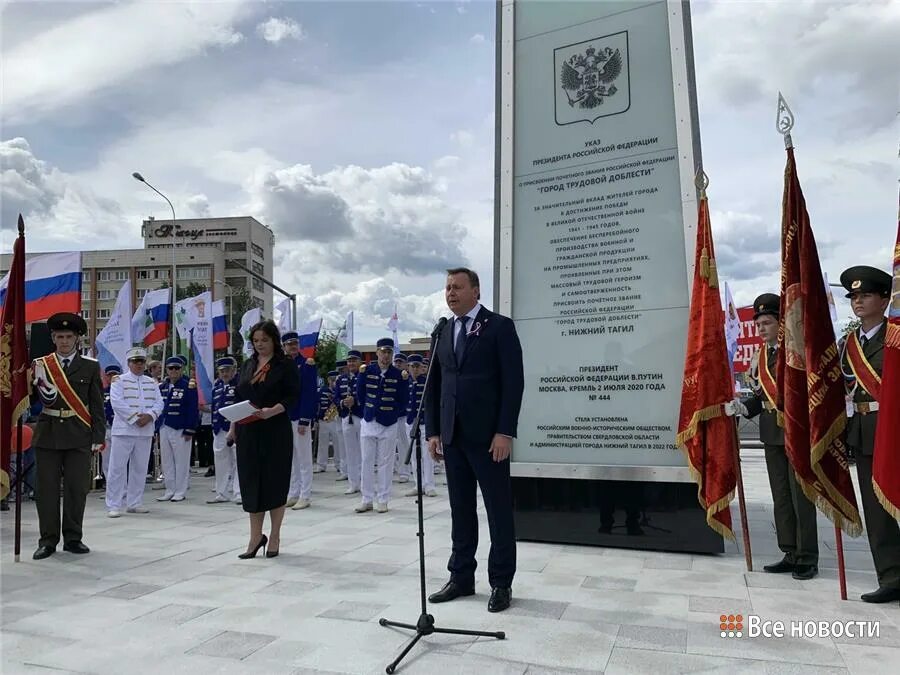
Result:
pixel 425 626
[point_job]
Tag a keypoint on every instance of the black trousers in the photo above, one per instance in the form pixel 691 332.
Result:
pixel 204 438
pixel 73 466
pixel 881 528
pixel 795 516
pixel 468 464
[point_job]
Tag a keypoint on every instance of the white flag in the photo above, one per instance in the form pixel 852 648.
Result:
pixel 283 316
pixel 251 318
pixel 115 339
pixel 199 318
pixel 732 326
pixel 345 337
pixel 392 325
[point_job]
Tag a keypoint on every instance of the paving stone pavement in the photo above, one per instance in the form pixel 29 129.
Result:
pixel 165 593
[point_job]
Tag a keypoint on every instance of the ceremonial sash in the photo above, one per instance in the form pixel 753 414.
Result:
pixel 61 382
pixel 766 379
pixel 863 371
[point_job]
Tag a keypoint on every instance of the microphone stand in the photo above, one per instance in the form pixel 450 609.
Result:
pixel 425 624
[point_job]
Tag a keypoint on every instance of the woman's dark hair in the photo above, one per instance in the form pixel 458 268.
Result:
pixel 268 327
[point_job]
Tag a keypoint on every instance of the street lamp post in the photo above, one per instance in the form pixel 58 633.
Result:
pixel 174 285
pixel 292 296
pixel 230 314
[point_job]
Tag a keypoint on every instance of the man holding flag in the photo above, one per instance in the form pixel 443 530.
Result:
pixel 862 354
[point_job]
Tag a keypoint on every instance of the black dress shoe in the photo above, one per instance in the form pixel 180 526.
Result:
pixel 43 552
pixel 883 594
pixel 451 591
pixel 500 598
pixel 781 567
pixel 75 547
pixel 805 572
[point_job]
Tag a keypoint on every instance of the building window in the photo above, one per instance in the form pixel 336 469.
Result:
pixel 257 251
pixel 258 285
pixel 105 294
pixel 85 314
pixel 103 313
pixel 161 274
pixel 143 274
pixel 236 282
pixel 121 275
pixel 235 245
pixel 256 267
pixel 85 296
pixel 193 273
pixel 104 275
pixel 141 292
pixel 235 264
pixel 86 277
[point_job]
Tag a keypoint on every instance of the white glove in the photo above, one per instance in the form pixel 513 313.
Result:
pixel 735 407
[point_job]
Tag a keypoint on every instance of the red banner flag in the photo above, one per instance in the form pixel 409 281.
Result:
pixel 705 433
pixel 13 357
pixel 886 459
pixel 809 378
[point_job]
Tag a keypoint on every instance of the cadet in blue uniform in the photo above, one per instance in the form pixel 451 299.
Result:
pixel 401 468
pixel 351 416
pixel 329 427
pixel 180 417
pixel 301 414
pixel 416 390
pixel 224 455
pixel 383 390
pixel 340 367
pixel 111 371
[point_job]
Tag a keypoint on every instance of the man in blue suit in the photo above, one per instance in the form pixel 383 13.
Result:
pixel 471 413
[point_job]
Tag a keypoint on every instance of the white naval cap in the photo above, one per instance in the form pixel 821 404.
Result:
pixel 136 353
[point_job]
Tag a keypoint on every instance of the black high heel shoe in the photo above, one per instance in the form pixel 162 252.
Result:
pixel 252 554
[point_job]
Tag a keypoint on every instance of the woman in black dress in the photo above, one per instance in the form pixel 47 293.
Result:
pixel 271 382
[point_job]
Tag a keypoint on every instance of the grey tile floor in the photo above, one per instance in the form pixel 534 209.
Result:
pixel 165 593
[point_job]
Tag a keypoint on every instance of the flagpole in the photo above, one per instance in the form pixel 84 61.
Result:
pixel 742 505
pixel 784 123
pixel 17 545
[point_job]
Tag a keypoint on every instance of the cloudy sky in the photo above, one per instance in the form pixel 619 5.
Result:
pixel 362 134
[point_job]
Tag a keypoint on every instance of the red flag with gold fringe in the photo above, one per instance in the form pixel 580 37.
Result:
pixel 886 459
pixel 810 382
pixel 705 433
pixel 13 357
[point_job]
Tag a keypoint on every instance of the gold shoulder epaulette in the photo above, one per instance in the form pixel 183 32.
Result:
pixel 192 383
pixel 404 375
pixel 362 368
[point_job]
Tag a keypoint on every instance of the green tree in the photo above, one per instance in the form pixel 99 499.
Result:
pixel 326 353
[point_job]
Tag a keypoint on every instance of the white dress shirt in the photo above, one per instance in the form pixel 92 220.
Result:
pixel 130 395
pixel 470 324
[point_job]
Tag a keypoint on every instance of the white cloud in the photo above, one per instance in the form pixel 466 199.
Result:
pixel 275 30
pixel 105 47
pixel 463 138
pixel 477 39
pixel 198 206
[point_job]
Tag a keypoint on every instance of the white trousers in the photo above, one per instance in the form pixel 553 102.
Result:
pixel 128 457
pixel 225 458
pixel 402 447
pixel 427 462
pixel 302 464
pixel 331 432
pixel 104 456
pixel 175 450
pixel 352 451
pixel 379 444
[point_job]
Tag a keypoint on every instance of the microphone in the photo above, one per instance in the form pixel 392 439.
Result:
pixel 439 326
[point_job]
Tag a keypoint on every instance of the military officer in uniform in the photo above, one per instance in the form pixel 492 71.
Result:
pixel 138 403
pixel 329 427
pixel 179 422
pixel 224 455
pixel 862 356
pixel 351 415
pixel 112 372
pixel 383 390
pixel 795 514
pixel 416 391
pixel 302 415
pixel 71 426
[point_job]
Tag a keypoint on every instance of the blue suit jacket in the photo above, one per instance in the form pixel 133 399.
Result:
pixel 481 396
pixel 305 409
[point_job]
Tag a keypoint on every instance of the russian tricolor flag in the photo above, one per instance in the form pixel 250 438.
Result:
pixel 52 284
pixel 150 323
pixel 309 338
pixel 219 325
